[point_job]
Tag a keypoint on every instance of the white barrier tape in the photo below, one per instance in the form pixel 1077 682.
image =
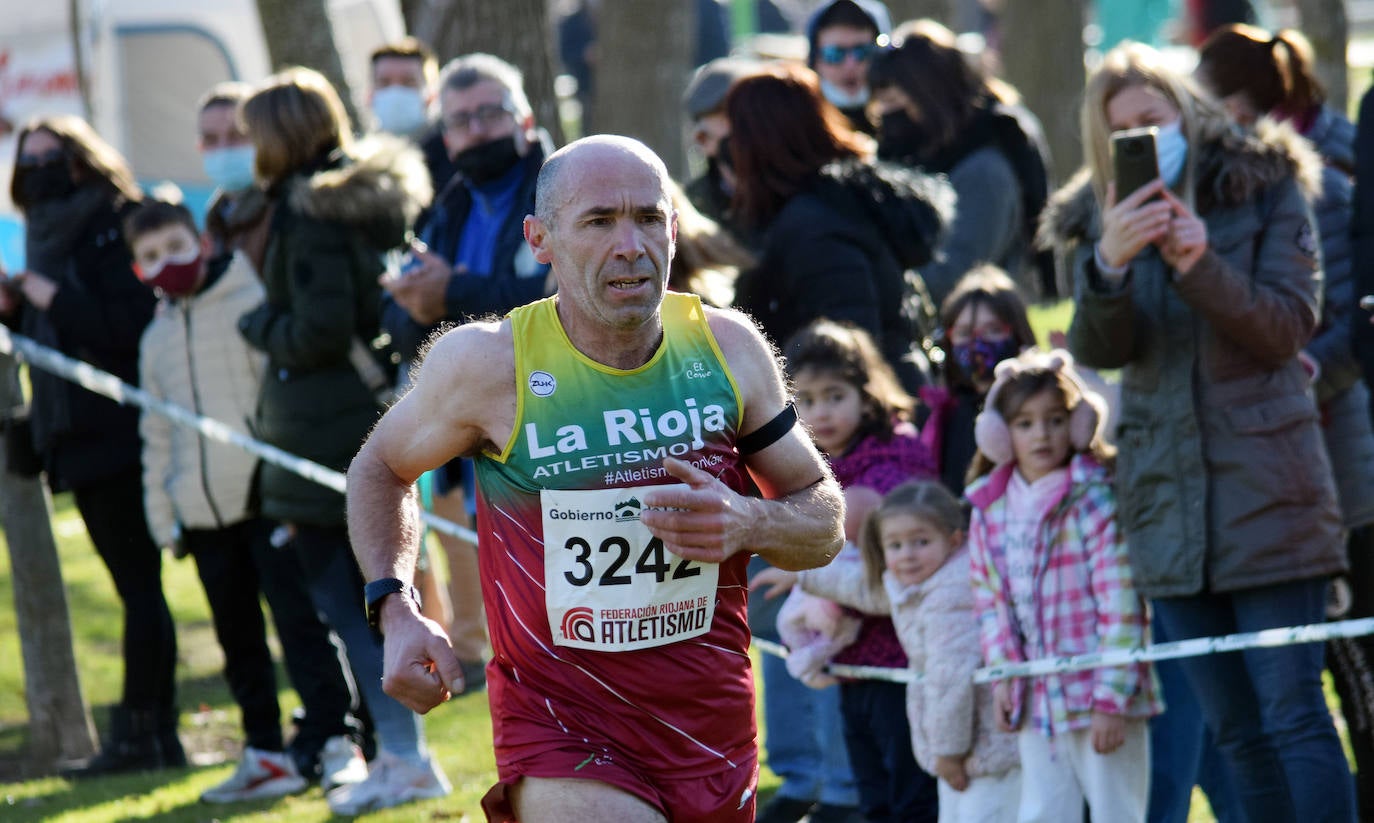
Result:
pixel 108 385
pixel 844 669
pixel 1195 647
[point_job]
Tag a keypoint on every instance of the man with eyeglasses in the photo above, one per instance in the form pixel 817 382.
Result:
pixel 843 36
pixel 474 263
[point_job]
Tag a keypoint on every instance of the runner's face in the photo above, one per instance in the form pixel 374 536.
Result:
pixel 610 244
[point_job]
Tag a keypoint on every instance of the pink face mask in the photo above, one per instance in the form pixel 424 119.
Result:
pixel 173 276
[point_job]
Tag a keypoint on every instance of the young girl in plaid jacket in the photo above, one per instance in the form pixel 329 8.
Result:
pixel 1051 578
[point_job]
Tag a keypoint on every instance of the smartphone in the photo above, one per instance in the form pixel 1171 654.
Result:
pixel 1367 302
pixel 1134 162
pixel 410 261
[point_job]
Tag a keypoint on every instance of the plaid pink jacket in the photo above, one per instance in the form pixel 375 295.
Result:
pixel 1086 599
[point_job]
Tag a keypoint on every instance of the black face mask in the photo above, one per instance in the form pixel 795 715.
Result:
pixel 47 182
pixel 901 138
pixel 488 161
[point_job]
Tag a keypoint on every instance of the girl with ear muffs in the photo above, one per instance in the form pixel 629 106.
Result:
pixel 1051 578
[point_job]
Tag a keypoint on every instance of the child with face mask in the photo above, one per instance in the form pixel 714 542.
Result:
pixel 197 499
pixel 984 321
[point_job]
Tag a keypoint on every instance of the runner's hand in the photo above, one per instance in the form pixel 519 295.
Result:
pixel 419 667
pixel 703 520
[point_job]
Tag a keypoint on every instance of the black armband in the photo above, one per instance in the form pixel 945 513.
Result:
pixel 769 433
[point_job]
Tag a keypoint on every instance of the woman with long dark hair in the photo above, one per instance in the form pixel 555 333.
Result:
pixel 836 235
pixel 79 295
pixel 940 113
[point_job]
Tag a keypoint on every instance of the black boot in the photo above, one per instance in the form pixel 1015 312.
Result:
pixel 173 755
pixel 132 746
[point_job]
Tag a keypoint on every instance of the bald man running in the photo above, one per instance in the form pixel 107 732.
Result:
pixel 622 438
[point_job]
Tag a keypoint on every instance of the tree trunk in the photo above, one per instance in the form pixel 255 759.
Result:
pixel 298 33
pixel 644 58
pixel 1043 53
pixel 60 727
pixel 941 11
pixel 517 31
pixel 1324 22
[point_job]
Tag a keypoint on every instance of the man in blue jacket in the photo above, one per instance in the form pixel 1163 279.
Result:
pixel 476 263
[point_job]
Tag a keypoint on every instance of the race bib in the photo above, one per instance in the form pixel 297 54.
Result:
pixel 609 584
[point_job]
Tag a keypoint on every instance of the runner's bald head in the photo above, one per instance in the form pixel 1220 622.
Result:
pixel 556 184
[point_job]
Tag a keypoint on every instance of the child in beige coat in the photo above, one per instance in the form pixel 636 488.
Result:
pixel 916 569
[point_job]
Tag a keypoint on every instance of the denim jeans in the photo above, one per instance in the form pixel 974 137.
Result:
pixel 336 586
pixel 804 738
pixel 1265 707
pixel 1182 753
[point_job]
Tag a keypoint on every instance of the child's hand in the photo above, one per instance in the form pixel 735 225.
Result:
pixel 1001 699
pixel 951 770
pixel 1109 732
pixel 778 582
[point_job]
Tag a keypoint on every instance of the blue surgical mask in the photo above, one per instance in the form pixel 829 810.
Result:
pixel 230 168
pixel 1171 147
pixel 399 109
pixel 841 98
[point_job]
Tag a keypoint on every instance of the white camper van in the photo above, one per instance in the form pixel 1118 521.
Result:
pixel 146 63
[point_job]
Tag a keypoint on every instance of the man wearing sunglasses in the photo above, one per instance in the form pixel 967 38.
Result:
pixel 843 37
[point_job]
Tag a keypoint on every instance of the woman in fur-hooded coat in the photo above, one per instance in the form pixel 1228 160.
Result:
pixel 335 212
pixel 1203 294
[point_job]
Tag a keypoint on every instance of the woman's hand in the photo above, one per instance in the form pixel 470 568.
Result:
pixel 37 289
pixel 1186 240
pixel 1132 224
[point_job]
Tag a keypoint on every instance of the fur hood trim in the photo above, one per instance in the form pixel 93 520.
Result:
pixel 1230 171
pixel 383 183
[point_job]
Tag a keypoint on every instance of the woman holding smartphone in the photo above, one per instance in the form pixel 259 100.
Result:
pixel 1202 287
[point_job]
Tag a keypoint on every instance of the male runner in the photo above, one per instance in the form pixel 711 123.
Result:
pixel 620 435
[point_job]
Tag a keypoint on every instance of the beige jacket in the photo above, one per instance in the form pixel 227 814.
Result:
pixel 192 355
pixel 949 715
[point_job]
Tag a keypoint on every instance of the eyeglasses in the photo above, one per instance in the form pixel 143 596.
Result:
pixel 485 116
pixel 33 161
pixel 835 55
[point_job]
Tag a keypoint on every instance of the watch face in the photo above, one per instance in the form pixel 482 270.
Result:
pixel 377 590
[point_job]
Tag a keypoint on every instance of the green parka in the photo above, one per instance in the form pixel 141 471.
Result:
pixel 1222 480
pixel 330 227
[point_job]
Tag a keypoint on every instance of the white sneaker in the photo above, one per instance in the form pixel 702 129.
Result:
pixel 341 763
pixel 391 782
pixel 259 774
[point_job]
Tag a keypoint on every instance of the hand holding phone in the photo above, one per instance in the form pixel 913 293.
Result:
pixel 1134 160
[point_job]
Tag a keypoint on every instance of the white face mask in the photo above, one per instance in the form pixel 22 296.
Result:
pixel 841 98
pixel 1171 148
pixel 399 109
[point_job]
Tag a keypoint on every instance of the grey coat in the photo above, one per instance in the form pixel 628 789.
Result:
pixel 1223 480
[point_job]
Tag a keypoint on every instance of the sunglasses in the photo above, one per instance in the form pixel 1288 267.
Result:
pixel 835 55
pixel 33 161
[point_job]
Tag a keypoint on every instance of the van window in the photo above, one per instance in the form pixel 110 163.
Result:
pixel 163 72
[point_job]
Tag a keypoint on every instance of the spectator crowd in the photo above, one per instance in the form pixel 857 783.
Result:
pixel 884 212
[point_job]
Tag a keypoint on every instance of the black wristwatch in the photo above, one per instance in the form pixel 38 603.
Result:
pixel 377 591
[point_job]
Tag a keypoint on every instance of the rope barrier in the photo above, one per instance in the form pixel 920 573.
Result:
pixel 109 385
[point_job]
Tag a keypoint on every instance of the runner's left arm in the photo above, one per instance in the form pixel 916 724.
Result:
pixel 799 521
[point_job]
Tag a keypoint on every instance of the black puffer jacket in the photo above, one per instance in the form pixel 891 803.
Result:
pixel 845 249
pixel 324 255
pixel 97 316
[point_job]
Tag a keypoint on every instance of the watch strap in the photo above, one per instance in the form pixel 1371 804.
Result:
pixel 375 591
